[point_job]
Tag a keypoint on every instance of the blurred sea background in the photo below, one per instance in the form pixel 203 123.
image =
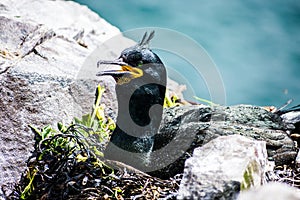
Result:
pixel 255 44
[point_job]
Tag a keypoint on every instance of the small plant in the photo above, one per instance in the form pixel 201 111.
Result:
pixel 68 163
pixel 63 150
pixel 170 101
pixel 210 103
pixel 100 126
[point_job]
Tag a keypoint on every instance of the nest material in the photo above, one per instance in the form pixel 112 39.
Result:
pixel 63 166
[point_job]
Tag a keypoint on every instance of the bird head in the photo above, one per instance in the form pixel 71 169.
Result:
pixel 134 62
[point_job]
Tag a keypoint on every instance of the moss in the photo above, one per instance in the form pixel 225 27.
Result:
pixel 248 179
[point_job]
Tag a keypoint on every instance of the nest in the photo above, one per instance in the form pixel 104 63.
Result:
pixel 64 166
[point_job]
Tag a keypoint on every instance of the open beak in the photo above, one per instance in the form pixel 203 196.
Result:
pixel 125 69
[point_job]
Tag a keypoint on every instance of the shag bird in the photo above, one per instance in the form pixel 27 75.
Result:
pixel 140 88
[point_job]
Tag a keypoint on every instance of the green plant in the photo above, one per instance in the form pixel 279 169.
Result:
pixel 97 120
pixel 79 143
pixel 100 126
pixel 68 163
pixel 210 103
pixel 29 188
pixel 170 101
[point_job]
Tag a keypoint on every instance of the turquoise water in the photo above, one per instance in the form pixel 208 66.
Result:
pixel 255 44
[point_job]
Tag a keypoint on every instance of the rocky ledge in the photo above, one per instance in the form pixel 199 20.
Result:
pixel 43 46
pixel 218 151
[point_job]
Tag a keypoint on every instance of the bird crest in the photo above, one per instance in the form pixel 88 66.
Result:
pixel 144 43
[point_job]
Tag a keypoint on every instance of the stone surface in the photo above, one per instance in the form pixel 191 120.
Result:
pixel 291 117
pixel 44 46
pixel 177 137
pixel 47 75
pixel 220 168
pixel 271 191
pixel 257 123
pixel 297 162
pixel 185 128
pixel 48 55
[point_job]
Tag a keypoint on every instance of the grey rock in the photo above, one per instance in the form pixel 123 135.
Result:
pixel 271 191
pixel 47 68
pixel 220 168
pixel 44 46
pixel 47 71
pixel 2 195
pixel 257 123
pixel 187 127
pixel 248 115
pixel 292 118
pixel 179 134
pixel 298 160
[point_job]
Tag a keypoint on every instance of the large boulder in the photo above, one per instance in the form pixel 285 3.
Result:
pixel 185 128
pixel 258 123
pixel 43 48
pixel 271 191
pixel 222 167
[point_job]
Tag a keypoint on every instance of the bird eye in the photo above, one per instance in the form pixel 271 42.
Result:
pixel 135 57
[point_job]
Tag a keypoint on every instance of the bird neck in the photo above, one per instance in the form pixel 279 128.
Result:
pixel 140 110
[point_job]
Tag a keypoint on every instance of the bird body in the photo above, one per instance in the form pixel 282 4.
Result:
pixel 140 89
